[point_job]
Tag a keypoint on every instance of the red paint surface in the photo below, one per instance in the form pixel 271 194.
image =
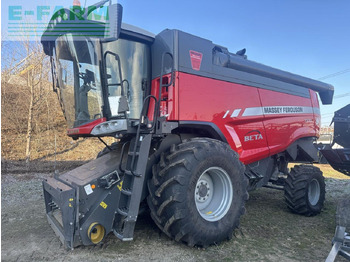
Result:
pixel 317 115
pixel 196 98
pixel 169 98
pixel 85 129
pixel 282 130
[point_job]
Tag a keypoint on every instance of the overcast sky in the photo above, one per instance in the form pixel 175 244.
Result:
pixel 306 37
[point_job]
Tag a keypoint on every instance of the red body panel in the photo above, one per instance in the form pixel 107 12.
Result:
pixel 283 129
pixel 170 96
pixel 85 129
pixel 256 122
pixel 317 113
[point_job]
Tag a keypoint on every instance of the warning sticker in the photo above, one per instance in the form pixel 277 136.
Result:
pixel 88 189
pixel 103 204
pixel 119 186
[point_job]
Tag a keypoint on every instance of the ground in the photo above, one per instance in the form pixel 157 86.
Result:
pixel 268 230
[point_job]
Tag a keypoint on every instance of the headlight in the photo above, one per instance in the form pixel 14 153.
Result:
pixel 109 127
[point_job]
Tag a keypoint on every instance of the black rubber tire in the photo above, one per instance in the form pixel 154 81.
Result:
pixel 343 214
pixel 172 190
pixel 296 190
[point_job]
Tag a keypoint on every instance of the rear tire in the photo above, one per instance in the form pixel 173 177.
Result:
pixel 198 191
pixel 304 190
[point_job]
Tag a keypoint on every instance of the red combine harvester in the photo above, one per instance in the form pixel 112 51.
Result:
pixel 198 127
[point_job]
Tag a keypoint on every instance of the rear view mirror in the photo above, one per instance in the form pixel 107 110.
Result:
pixel 115 13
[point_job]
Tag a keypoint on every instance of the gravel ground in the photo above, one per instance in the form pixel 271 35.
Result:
pixel 268 232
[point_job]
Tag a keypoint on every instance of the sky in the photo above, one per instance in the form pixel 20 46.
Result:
pixel 306 37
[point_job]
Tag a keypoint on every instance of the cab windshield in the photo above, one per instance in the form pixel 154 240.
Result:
pixel 85 97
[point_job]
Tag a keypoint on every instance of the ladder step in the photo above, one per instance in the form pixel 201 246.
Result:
pixel 134 179
pixel 123 211
pixel 128 172
pixel 126 191
pixel 134 153
pixel 121 237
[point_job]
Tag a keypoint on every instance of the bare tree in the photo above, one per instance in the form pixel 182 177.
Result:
pixel 29 75
pixel 35 75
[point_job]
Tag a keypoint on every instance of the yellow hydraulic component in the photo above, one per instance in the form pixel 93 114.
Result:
pixel 96 232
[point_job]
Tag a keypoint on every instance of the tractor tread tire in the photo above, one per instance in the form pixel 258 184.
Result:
pixel 296 190
pixel 172 208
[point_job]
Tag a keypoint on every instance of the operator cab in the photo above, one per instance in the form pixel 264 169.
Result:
pixel 101 83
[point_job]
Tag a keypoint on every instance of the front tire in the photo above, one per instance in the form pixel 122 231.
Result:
pixel 304 190
pixel 198 191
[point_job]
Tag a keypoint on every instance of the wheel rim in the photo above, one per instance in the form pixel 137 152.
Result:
pixel 314 192
pixel 213 194
pixel 96 233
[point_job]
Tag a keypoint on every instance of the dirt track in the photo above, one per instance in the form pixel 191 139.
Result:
pixel 268 232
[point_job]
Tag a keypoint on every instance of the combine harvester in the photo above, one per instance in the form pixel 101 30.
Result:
pixel 198 127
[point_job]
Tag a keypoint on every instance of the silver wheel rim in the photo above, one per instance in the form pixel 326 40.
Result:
pixel 314 192
pixel 213 194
